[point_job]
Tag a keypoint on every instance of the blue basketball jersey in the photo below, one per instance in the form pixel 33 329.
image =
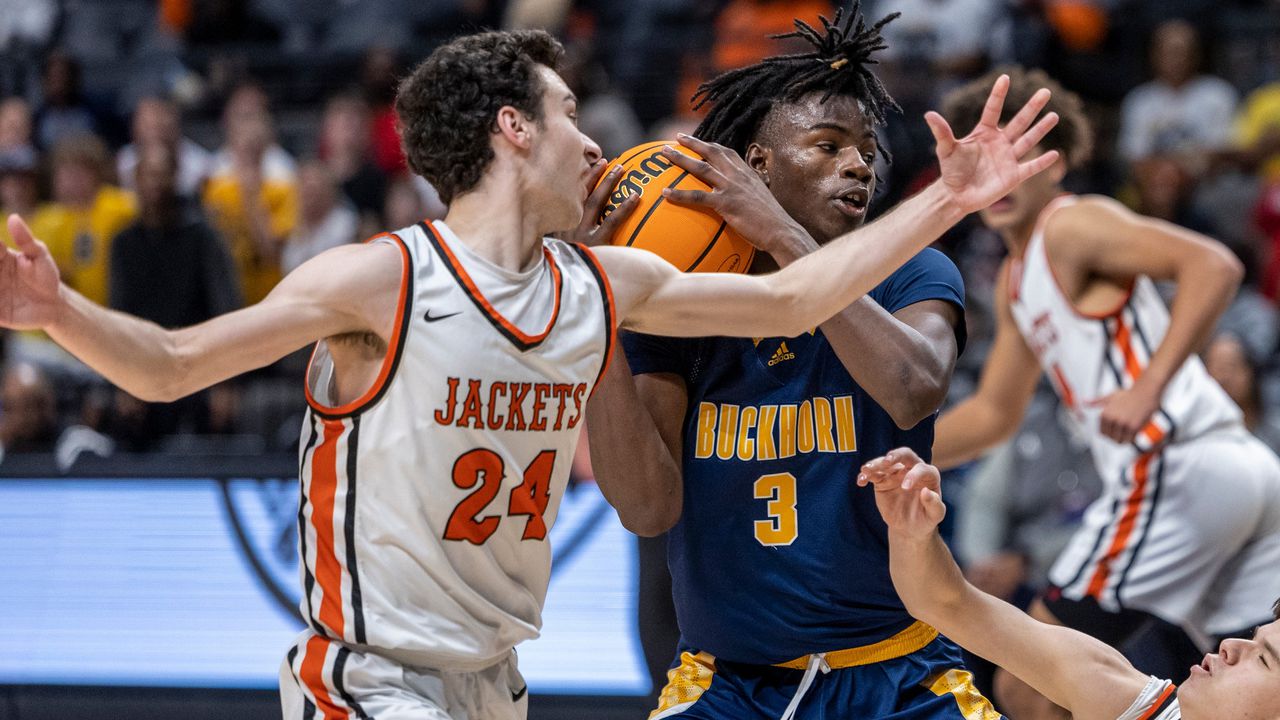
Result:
pixel 778 552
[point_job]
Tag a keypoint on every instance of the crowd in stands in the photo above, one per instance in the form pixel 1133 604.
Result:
pixel 180 156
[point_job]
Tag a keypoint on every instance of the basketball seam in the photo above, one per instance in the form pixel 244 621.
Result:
pixel 635 233
pixel 714 239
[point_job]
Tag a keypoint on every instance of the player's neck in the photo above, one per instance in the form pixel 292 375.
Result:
pixel 497 225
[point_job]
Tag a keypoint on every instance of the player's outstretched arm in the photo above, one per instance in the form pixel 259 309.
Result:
pixel 1075 671
pixel 976 171
pixel 349 289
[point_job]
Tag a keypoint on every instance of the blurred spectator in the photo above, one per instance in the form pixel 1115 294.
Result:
pixel 1023 502
pixel 1163 187
pixel 223 22
pixel 172 269
pixel 15 123
pixel 326 219
pixel 743 28
pixel 19 191
pixel 25 29
pixel 28 411
pixel 378 75
pixel 1228 360
pixel 64 111
pixel 603 114
pixel 252 194
pixel 410 201
pixel 157 121
pixel 1257 131
pixel 345 138
pixel 949 37
pixel 1180 111
pixel 87 212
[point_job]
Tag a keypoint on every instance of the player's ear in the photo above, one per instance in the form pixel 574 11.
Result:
pixel 514 126
pixel 757 158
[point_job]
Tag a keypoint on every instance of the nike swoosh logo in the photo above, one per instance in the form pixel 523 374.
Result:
pixel 515 696
pixel 430 319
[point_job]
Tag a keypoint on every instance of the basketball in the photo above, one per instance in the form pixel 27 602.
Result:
pixel 692 239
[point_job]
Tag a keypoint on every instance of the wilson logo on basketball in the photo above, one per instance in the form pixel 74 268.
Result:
pixel 692 238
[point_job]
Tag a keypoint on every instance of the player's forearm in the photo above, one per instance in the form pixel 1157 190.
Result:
pixel 1205 290
pixel 633 466
pixel 969 429
pixel 892 361
pixel 824 282
pixel 138 356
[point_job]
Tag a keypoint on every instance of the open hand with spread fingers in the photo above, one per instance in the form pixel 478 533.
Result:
pixel 30 291
pixel 908 492
pixel 986 164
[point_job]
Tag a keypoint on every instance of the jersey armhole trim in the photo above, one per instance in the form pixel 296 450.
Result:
pixel 391 361
pixel 1041 222
pixel 610 311
pixel 1161 703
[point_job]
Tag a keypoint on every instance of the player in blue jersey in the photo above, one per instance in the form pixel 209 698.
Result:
pixel 779 564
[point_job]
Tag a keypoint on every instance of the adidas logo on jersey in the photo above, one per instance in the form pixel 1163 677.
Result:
pixel 781 354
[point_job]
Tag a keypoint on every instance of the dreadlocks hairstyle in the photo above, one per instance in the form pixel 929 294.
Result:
pixel 839 64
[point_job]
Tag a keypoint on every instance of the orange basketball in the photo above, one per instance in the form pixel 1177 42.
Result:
pixel 692 239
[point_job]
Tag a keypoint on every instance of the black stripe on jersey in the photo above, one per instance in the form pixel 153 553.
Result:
pixel 308 709
pixel 339 669
pixel 608 312
pixel 1156 480
pixel 349 528
pixel 293 654
pixel 1106 354
pixel 308 580
pixel 402 333
pixel 444 260
pixel 1164 706
pixel 1097 543
pixel 1142 336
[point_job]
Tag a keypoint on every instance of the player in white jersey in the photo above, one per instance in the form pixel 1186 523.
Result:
pixel 1187 532
pixel 1083 675
pixel 453 361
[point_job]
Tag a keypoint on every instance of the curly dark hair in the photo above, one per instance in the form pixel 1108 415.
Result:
pixel 447 108
pixel 838 62
pixel 1073 135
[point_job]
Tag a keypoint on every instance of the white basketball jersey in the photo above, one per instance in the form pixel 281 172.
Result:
pixel 1157 701
pixel 1088 357
pixel 426 502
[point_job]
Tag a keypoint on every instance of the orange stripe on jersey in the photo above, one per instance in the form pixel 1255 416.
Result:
pixel 611 340
pixel 1153 433
pixel 324 486
pixel 469 285
pixel 1125 342
pixel 312 676
pixel 1068 397
pixel 394 343
pixel 1124 530
pixel 1159 704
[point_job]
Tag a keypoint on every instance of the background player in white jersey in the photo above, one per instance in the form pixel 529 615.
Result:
pixel 1187 532
pixel 453 361
pixel 1092 681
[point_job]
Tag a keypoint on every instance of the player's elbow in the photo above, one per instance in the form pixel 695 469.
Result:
pixel 651 520
pixel 923 396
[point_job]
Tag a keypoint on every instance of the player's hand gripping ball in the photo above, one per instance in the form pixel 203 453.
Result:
pixel 692 239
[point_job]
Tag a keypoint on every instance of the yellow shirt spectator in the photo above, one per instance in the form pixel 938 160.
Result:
pixel 80 239
pixel 1260 116
pixel 259 271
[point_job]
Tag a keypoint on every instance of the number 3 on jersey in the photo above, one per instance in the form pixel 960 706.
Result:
pixel 782 526
pixel 485 467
